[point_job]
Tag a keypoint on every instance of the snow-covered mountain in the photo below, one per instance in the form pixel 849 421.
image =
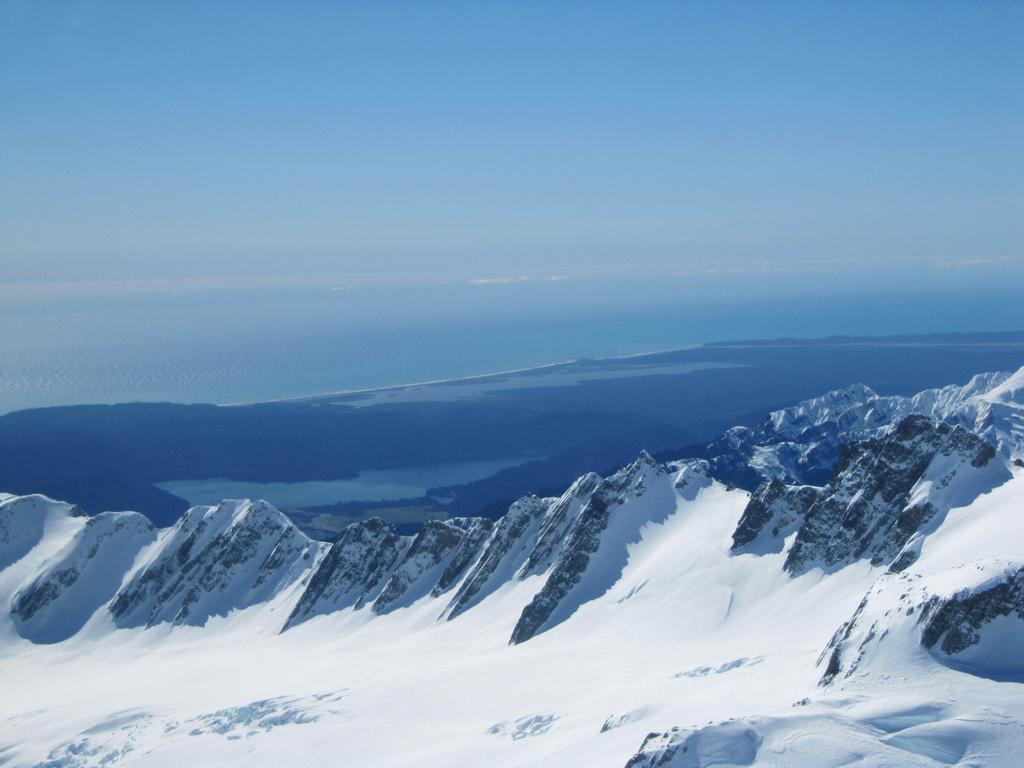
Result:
pixel 84 576
pixel 353 571
pixel 213 561
pixel 861 603
pixel 800 444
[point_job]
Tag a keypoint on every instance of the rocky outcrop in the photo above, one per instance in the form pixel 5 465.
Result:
pixel 886 489
pixel 849 641
pixel 513 536
pixel 561 516
pixel 473 542
pixel 82 578
pixel 730 743
pixel 908 555
pixel 800 444
pixel 353 571
pixel 625 488
pixel 949 613
pixel 848 408
pixel 773 512
pixel 423 564
pixel 215 560
pixel 797 445
pixel 954 624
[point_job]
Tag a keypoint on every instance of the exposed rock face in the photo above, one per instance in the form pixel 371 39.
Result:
pixel 476 537
pixel 560 518
pixel 886 489
pixel 353 571
pixel 990 405
pixel 908 555
pixel 513 535
pixel 423 564
pixel 797 445
pixel 954 623
pixel 692 476
pixel 848 407
pixel 214 560
pixel 773 512
pixel 947 613
pixel 22 522
pixel 733 742
pixel 800 444
pixel 584 540
pixel 845 642
pixel 82 578
pixel 729 455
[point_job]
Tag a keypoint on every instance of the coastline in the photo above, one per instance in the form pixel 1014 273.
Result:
pixel 965 339
pixel 458 380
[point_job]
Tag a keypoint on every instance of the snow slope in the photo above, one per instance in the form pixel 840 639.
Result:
pixel 82 578
pixel 649 618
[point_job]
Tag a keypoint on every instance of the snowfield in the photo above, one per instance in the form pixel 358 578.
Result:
pixel 617 625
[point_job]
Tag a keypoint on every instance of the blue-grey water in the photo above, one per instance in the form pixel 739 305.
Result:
pixel 228 346
pixel 368 485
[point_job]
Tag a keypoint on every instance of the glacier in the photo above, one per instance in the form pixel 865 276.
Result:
pixel 841 585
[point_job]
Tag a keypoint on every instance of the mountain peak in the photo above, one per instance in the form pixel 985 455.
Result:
pixel 215 560
pixel 353 571
pixel 886 489
pixel 82 577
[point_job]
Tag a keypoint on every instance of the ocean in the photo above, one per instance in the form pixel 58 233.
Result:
pixel 244 345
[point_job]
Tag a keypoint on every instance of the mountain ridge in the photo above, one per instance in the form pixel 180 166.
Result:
pixel 906 548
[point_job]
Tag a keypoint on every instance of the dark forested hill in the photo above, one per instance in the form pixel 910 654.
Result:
pixel 562 420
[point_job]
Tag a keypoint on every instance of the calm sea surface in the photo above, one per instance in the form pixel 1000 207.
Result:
pixel 258 344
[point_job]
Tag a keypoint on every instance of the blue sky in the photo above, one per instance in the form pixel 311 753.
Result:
pixel 468 141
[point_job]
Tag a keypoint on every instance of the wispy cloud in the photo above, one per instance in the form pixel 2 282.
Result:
pixel 749 268
pixel 976 261
pixel 510 279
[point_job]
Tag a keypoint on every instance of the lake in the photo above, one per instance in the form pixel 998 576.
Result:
pixel 368 485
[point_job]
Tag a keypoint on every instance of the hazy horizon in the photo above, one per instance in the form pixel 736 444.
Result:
pixel 263 343
pixel 224 201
